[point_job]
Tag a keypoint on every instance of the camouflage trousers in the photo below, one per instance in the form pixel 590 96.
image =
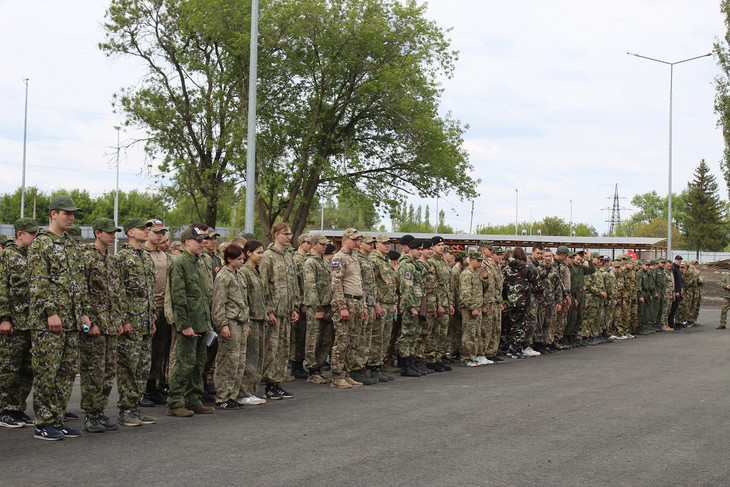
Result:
pixel 209 369
pixel 410 330
pixel 633 313
pixel 496 334
pixel 470 329
pixel 593 318
pixel 54 370
pixel 723 311
pixel 436 341
pixel 276 350
pixel 391 354
pixel 161 343
pixel 361 351
pixel 230 362
pixel 186 379
pixel 347 334
pixel 683 310
pixel 513 328
pixel 667 307
pixel 319 338
pixel 485 331
pixel 695 308
pixel 607 317
pixel 616 321
pixel 133 368
pixel 298 339
pixel 16 372
pixel 530 321
pixel 98 365
pixel 454 333
pixel 560 319
pixel 254 358
pixel 381 335
pixel 544 323
pixel 426 325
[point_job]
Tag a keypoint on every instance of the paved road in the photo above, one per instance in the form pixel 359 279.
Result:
pixel 651 411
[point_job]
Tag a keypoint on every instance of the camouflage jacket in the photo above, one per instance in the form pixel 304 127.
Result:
pixel 57 281
pixel 105 291
pixel 609 283
pixel 281 285
pixel 443 286
pixel 14 290
pixel 520 280
pixel 455 285
pixel 299 261
pixel 489 287
pixel 629 283
pixel 367 274
pixel 644 284
pixel 556 291
pixel 429 286
pixel 317 283
pixel 668 287
pixel 578 275
pixel 498 284
pixel 542 277
pixel 254 292
pixel 385 280
pixel 411 285
pixel 471 291
pixel 595 285
pixel 346 279
pixel 137 275
pixel 230 299
pixel 189 296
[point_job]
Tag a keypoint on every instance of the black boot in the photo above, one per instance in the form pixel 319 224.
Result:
pixel 297 370
pixel 408 370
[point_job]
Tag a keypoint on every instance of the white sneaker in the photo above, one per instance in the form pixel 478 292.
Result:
pixel 529 352
pixel 251 400
pixel 470 363
pixel 622 337
pixel 614 337
pixel 630 336
pixel 481 359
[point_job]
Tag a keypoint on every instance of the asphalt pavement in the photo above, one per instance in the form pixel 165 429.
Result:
pixel 652 411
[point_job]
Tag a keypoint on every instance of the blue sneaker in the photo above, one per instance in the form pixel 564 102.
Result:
pixel 48 433
pixel 68 432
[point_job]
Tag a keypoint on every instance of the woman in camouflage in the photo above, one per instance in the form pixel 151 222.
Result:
pixel 519 280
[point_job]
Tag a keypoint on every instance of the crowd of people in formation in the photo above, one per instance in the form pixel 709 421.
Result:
pixel 199 327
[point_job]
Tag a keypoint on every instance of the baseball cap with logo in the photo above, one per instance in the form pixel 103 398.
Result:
pixel 351 233
pixel 135 223
pixel 193 234
pixel 156 225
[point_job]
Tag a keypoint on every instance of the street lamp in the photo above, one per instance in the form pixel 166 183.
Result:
pixel 570 225
pixel 116 193
pixel 25 141
pixel 251 132
pixel 669 184
pixel 517 199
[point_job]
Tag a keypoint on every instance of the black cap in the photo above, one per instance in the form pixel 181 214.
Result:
pixel 405 239
pixel 393 255
pixel 427 244
pixel 414 243
pixel 436 240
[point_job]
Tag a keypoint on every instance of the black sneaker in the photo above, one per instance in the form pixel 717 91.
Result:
pixel 272 393
pixel 283 393
pixel 8 420
pixel 92 424
pixel 69 416
pixel 229 404
pixel 107 423
pixel 495 359
pixel 721 327
pixel 68 432
pixel 21 417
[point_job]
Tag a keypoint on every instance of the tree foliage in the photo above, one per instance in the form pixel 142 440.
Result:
pixel 721 49
pixel 551 225
pixel 704 226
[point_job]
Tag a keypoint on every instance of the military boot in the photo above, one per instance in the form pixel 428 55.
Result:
pixel 408 370
pixel 360 376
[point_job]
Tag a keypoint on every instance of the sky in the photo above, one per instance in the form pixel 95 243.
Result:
pixel 556 109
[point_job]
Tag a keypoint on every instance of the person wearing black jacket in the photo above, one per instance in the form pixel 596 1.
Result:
pixel 678 278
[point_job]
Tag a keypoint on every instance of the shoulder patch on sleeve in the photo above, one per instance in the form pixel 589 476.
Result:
pixel 335 264
pixel 408 275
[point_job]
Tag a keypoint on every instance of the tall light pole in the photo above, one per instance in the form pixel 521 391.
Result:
pixel 669 184
pixel 25 142
pixel 530 219
pixel 116 192
pixel 517 200
pixel 570 225
pixel 251 152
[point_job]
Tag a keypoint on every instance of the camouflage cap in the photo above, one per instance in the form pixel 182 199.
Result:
pixel 63 202
pixel 304 238
pixel 368 239
pixel 319 238
pixel 498 250
pixel 617 263
pixel 156 225
pixel 74 232
pixel 459 254
pixel 105 225
pixel 176 245
pixel 485 244
pixel 448 249
pixel 382 238
pixel 135 223
pixel 213 234
pixel 572 254
pixel 193 234
pixel 475 256
pixel 3 239
pixel 26 225
pixel 646 262
pixel 562 250
pixel 695 262
pixel 351 233
pixel 653 262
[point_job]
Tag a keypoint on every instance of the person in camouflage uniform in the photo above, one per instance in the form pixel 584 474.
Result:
pixel 534 260
pixel 609 304
pixel 348 310
pixel 632 293
pixel 16 372
pixel 190 301
pixel 683 309
pixel 361 351
pixel 625 289
pixel 134 346
pixel 725 283
pixel 436 342
pixel 520 284
pixel 668 295
pixel 98 346
pixel 616 320
pixel 254 252
pixel 473 307
pixel 560 318
pixel 230 320
pixel 455 322
pixel 699 287
pixel 385 284
pixel 426 320
pixel 492 295
pixel 658 301
pixel 281 287
pixel 299 329
pixel 552 297
pixel 645 292
pixel 317 300
pixel 578 272
pixel 693 277
pixel 595 295
pixel 59 306
pixel 410 279
pixel 498 303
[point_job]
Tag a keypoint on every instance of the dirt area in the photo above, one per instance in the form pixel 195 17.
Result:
pixel 712 292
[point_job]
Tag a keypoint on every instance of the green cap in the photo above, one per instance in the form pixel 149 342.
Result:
pixel 448 249
pixel 475 256
pixel 136 223
pixel 563 250
pixel 497 249
pixel 459 254
pixel 193 234
pixel 3 239
pixel 485 244
pixel 26 224
pixel 62 202
pixel 597 255
pixel 319 238
pixel 105 225
pixel 303 238
pixel 74 232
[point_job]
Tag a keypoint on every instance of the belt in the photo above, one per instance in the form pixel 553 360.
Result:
pixel 350 296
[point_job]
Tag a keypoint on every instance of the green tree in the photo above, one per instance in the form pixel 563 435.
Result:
pixel 34 200
pixel 132 204
pixel 704 226
pixel 350 209
pixel 721 49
